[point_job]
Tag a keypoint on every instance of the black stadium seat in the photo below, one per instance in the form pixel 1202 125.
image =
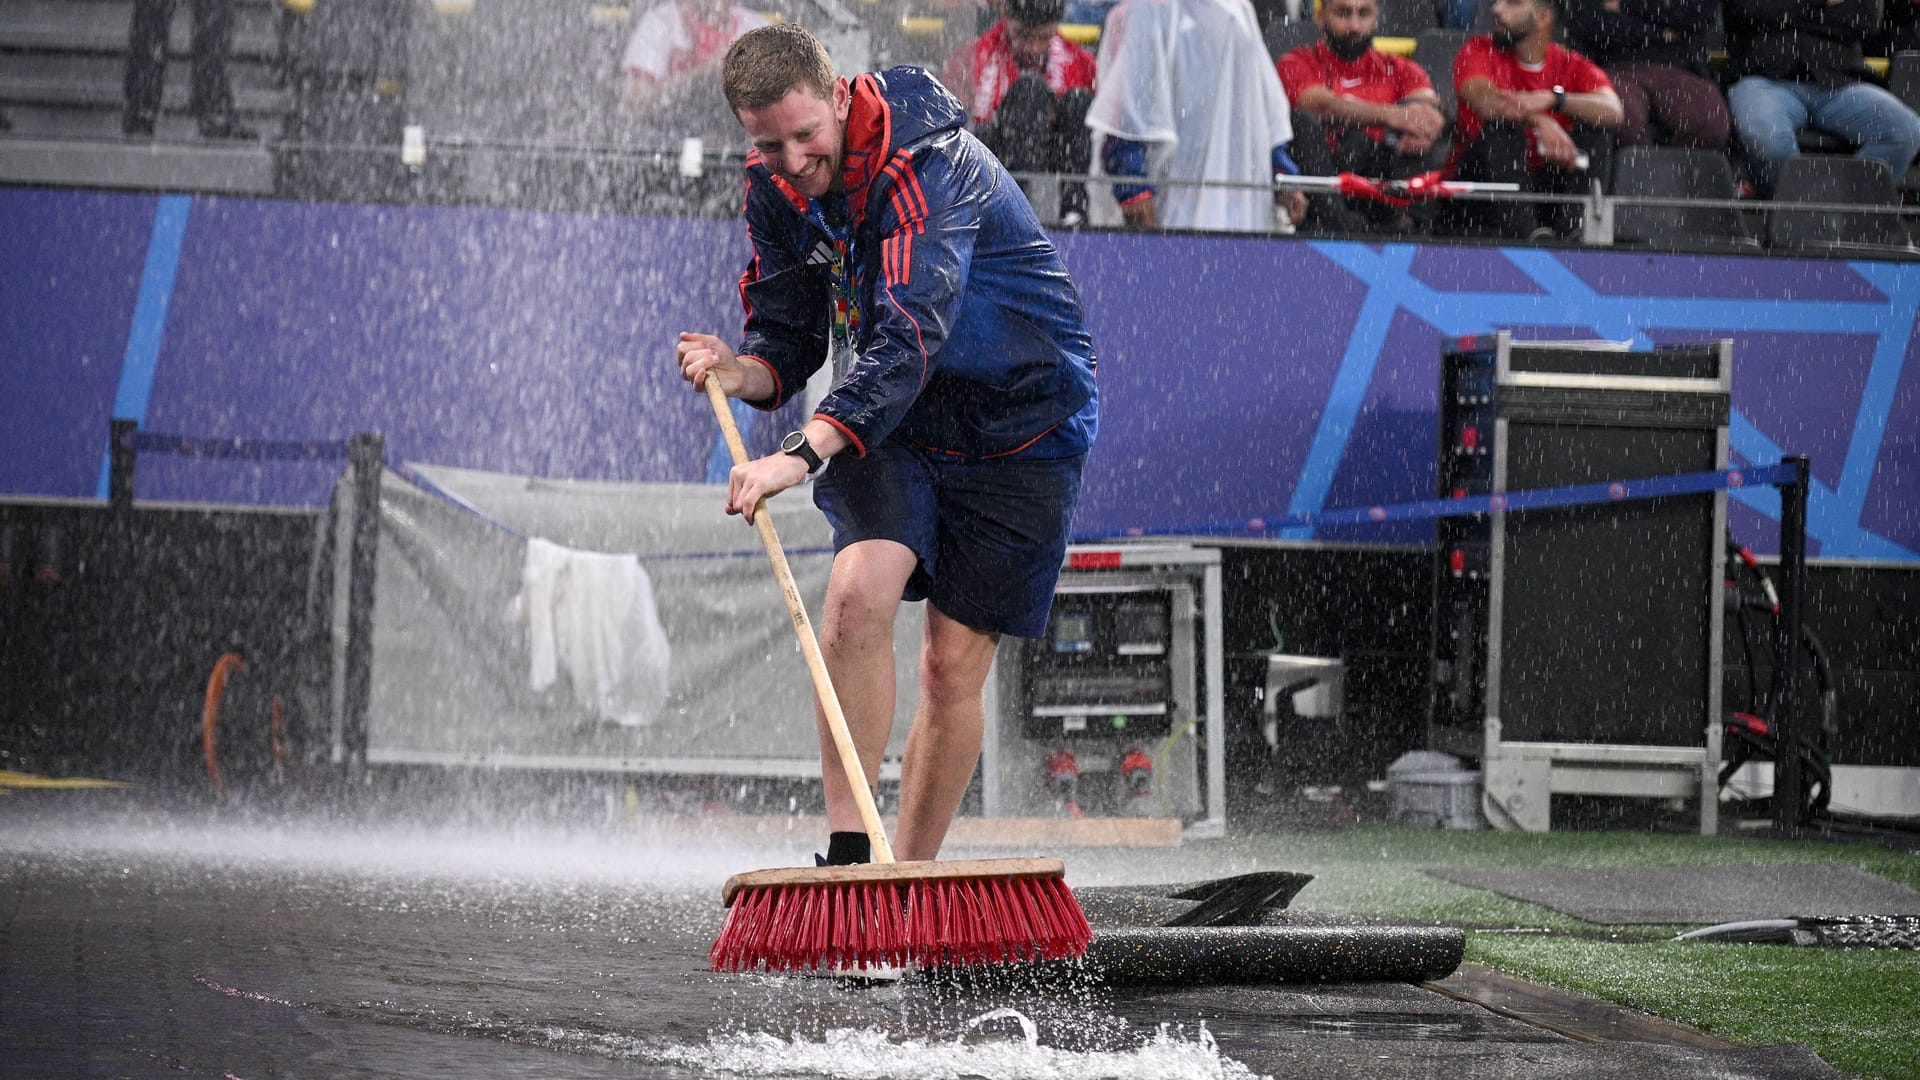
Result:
pixel 1833 179
pixel 1285 35
pixel 1675 173
pixel 1434 50
pixel 1405 18
pixel 1903 78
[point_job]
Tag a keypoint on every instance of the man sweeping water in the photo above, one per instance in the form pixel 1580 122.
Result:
pixel 887 237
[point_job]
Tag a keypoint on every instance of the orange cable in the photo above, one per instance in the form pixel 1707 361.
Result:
pixel 210 716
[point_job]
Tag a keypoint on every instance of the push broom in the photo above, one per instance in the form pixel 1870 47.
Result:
pixel 884 913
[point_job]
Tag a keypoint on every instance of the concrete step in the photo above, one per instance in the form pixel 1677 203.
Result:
pixel 101 26
pixel 104 69
pixel 103 123
pixel 159 165
pixel 71 85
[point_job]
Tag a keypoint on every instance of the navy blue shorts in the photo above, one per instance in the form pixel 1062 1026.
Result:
pixel 990 533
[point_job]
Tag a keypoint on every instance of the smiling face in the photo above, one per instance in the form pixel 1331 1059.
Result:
pixel 802 137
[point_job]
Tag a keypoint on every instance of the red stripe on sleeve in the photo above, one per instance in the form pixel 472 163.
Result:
pixel 859 448
pixel 748 277
pixel 920 196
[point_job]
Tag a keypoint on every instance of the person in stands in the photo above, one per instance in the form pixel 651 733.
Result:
pixel 1190 110
pixel 1027 89
pixel 1534 113
pixel 1800 65
pixel 211 98
pixel 1359 110
pixel 1655 53
pixel 671 66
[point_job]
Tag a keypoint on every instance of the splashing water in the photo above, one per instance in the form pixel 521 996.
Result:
pixel 868 1054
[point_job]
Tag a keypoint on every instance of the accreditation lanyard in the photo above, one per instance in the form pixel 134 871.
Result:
pixel 845 303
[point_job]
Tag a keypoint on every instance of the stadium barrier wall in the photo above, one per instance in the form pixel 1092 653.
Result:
pixel 540 343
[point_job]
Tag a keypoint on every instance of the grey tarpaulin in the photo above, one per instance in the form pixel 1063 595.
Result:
pixel 449 667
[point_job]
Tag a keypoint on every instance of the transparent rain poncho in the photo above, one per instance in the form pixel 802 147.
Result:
pixel 1192 79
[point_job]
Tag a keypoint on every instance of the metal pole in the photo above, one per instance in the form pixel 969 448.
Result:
pixel 120 460
pixel 366 454
pixel 1784 717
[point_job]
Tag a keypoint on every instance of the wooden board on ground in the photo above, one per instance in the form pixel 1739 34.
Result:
pixel 1043 835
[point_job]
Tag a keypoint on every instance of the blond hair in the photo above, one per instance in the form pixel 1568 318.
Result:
pixel 764 64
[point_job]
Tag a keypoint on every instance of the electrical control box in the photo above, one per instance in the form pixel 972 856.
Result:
pixel 1104 667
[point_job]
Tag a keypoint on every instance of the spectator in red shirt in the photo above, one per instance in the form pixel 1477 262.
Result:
pixel 1533 113
pixel 1359 110
pixel 1027 89
pixel 672 63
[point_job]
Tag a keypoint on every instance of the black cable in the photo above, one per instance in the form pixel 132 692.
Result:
pixel 1765 745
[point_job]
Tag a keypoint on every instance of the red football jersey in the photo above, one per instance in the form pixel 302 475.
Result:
pixel 1376 77
pixel 1480 58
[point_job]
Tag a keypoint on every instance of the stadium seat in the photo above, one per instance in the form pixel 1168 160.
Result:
pixel 1834 179
pixel 1903 78
pixel 1434 50
pixel 1405 18
pixel 1285 35
pixel 1675 173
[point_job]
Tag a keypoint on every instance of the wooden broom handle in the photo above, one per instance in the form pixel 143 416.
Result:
pixel 809 645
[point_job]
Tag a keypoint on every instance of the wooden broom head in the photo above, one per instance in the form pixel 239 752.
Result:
pixel 926 914
pixel 895 871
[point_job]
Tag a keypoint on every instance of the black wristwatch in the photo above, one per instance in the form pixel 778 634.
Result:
pixel 1559 99
pixel 796 444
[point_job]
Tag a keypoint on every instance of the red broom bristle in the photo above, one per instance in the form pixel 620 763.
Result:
pixel 930 923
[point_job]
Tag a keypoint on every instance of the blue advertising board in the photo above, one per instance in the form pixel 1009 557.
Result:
pixel 1241 377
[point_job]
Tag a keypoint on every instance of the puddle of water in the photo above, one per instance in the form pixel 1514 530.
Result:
pixel 544 953
pixel 867 1054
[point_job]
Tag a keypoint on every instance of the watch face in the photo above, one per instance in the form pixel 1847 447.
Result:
pixel 793 442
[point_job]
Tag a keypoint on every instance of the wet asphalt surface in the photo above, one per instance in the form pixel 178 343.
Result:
pixel 134 944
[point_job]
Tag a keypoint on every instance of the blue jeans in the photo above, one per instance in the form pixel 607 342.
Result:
pixel 1768 115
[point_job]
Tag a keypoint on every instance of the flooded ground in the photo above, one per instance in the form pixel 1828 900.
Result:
pixel 142 944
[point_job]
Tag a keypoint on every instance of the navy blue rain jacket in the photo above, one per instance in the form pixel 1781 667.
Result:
pixel 971 338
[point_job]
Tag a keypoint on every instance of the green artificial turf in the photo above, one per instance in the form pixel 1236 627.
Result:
pixel 1858 1009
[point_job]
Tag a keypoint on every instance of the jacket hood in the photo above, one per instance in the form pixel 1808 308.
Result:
pixel 891 110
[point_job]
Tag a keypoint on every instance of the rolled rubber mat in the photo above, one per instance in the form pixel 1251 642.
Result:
pixel 1223 955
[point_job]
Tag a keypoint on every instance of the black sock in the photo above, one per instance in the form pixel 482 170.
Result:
pixel 846 848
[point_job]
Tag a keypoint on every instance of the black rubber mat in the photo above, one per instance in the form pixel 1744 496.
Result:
pixel 1693 895
pixel 1241 900
pixel 1228 955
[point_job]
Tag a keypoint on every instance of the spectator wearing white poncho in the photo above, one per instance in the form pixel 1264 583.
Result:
pixel 1187 91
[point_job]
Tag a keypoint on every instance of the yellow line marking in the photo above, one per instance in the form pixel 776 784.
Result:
pixel 11 779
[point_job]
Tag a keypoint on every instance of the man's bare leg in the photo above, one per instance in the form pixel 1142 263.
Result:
pixel 944 745
pixel 856 638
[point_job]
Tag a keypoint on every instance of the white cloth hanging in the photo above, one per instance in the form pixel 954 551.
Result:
pixel 593 616
pixel 1193 80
